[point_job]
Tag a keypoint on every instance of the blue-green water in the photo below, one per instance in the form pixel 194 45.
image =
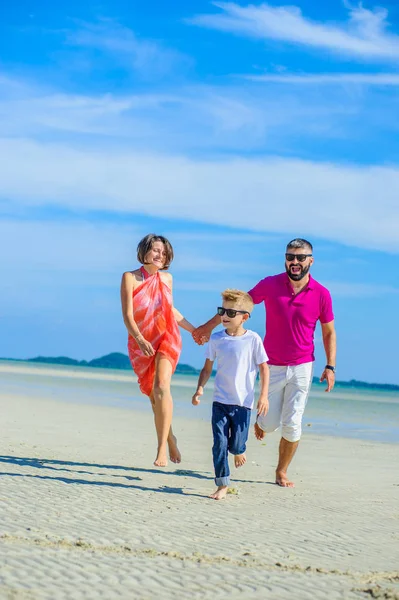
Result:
pixel 346 412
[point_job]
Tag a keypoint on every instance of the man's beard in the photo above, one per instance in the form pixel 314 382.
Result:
pixel 297 276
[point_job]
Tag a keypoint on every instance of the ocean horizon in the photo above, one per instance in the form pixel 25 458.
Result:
pixel 346 412
pixel 118 362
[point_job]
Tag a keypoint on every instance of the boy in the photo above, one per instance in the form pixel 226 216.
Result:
pixel 239 353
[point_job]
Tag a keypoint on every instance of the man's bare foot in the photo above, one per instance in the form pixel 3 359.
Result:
pixel 283 481
pixel 161 459
pixel 174 452
pixel 220 492
pixel 259 433
pixel 239 460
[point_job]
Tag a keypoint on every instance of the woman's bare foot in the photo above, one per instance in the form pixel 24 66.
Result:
pixel 161 459
pixel 174 452
pixel 282 480
pixel 239 460
pixel 259 433
pixel 220 492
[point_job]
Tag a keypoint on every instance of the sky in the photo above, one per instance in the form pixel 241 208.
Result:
pixel 228 127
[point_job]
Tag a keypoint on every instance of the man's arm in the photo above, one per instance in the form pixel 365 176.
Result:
pixel 202 380
pixel 203 332
pixel 330 346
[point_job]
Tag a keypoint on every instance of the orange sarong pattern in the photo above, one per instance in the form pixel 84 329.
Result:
pixel 152 310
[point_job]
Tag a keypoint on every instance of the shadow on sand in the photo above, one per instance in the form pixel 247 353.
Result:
pixel 73 467
pixel 85 468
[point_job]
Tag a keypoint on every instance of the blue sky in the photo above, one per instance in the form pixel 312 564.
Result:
pixel 228 127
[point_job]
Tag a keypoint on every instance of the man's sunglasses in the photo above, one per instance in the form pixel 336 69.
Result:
pixel 231 313
pixel 300 257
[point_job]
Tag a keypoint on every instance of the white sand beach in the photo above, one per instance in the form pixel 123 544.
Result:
pixel 84 514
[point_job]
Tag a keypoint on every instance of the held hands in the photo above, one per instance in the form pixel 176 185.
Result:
pixel 145 346
pixel 262 406
pixel 201 335
pixel 329 377
pixel 196 398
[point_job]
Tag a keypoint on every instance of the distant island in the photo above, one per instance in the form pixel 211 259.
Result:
pixel 117 360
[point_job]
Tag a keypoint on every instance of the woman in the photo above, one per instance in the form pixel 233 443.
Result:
pixel 154 341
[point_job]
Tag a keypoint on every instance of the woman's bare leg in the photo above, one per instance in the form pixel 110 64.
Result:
pixel 163 407
pixel 174 452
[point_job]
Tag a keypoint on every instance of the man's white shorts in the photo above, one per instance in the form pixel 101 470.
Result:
pixel 288 393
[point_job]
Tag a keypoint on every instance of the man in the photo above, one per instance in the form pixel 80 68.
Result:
pixel 294 302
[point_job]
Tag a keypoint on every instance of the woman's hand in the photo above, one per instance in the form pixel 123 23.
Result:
pixel 145 346
pixel 201 335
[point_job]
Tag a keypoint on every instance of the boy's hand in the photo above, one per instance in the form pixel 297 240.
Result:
pixel 196 398
pixel 263 406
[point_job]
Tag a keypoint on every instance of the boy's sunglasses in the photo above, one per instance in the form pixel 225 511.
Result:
pixel 299 257
pixel 230 312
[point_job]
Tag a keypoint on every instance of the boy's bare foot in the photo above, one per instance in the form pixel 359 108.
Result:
pixel 220 492
pixel 174 452
pixel 259 433
pixel 161 459
pixel 239 460
pixel 282 480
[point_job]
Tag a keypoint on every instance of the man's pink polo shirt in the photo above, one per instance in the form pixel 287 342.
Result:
pixel 291 319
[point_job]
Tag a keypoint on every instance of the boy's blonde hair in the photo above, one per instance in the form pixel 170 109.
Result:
pixel 240 298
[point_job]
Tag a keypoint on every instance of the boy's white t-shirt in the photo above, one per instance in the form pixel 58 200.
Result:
pixel 237 358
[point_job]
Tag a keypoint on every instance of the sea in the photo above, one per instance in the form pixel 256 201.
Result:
pixel 368 414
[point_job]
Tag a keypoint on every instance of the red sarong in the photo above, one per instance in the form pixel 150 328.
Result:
pixel 152 311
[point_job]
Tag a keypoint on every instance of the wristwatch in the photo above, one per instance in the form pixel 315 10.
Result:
pixel 330 367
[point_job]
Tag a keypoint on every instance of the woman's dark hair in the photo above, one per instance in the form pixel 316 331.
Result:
pixel 146 244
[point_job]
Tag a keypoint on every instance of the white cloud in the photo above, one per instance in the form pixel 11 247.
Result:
pixel 81 248
pixel 231 118
pixel 363 35
pixel 354 205
pixel 202 115
pixel 64 113
pixel 70 248
pixel 227 239
pixel 379 79
pixel 111 38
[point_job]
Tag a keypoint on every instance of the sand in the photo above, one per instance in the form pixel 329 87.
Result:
pixel 84 514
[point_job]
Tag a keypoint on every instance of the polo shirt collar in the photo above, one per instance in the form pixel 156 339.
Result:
pixel 310 285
